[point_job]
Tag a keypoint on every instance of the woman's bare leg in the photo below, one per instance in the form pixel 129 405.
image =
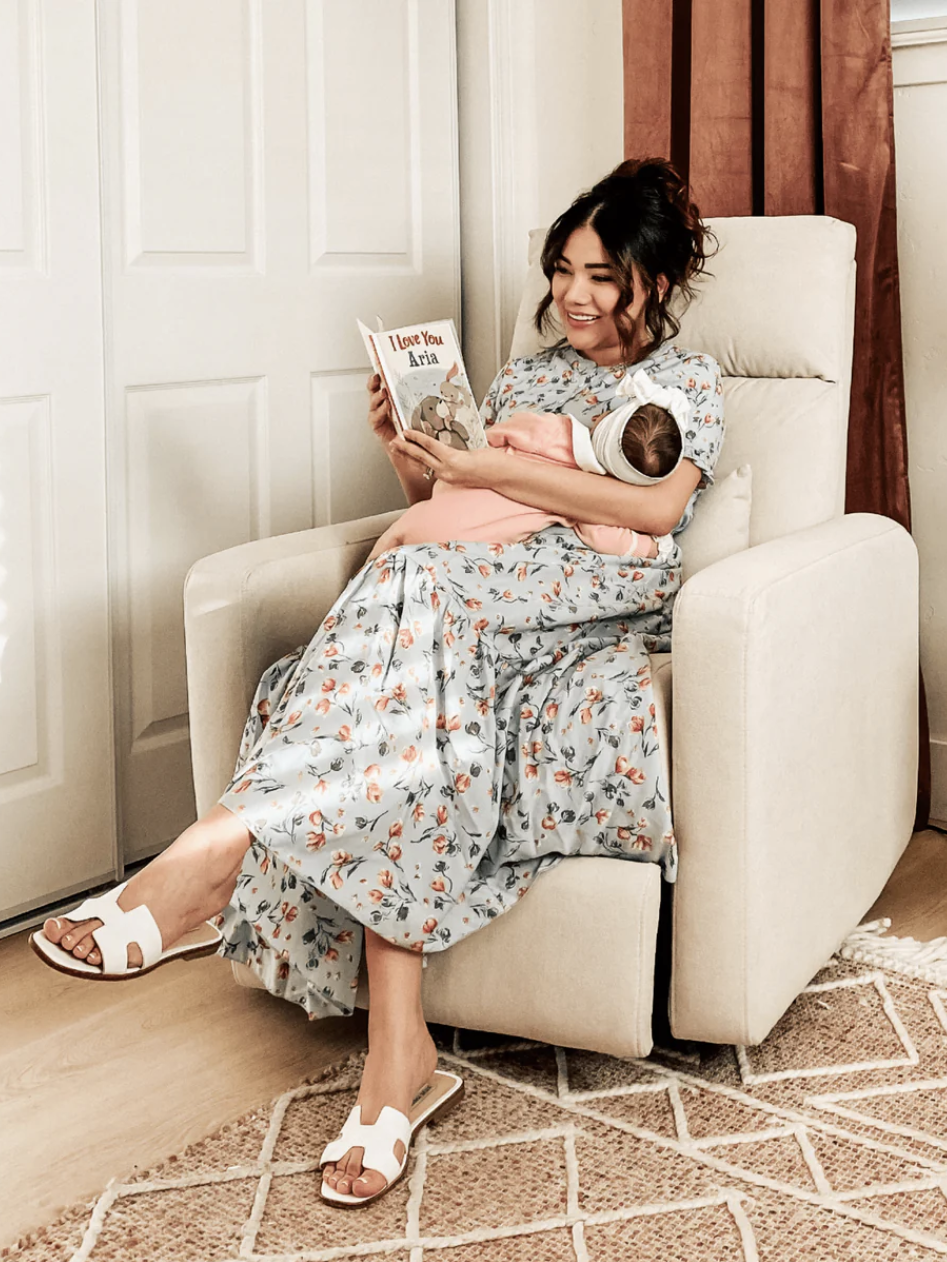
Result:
pixel 186 884
pixel 193 880
pixel 401 1053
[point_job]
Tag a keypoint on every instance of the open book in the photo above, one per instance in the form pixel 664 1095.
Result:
pixel 423 371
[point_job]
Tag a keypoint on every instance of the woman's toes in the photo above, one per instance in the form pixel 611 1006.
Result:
pixel 76 937
pixel 369 1183
pixel 54 929
pixel 349 1173
pixel 351 1169
pixel 76 931
pixel 348 1177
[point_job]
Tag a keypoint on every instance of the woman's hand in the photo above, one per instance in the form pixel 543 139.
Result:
pixel 449 464
pixel 379 410
pixel 416 479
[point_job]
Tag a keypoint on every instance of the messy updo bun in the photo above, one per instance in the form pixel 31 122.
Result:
pixel 643 215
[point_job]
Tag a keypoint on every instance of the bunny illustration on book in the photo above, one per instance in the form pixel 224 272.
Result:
pixel 449 416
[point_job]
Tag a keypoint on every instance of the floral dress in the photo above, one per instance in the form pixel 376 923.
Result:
pixel 466 716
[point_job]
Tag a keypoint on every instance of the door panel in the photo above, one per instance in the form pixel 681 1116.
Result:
pixel 271 171
pixel 56 784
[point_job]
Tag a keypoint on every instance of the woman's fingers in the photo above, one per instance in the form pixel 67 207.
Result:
pixel 379 409
pixel 420 439
pixel 379 416
pixel 406 451
pixel 420 447
pixel 414 443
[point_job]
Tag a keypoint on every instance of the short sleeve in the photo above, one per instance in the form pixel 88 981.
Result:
pixel 701 381
pixel 490 407
pixel 700 378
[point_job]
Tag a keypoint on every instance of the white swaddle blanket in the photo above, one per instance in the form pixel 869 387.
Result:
pixel 600 451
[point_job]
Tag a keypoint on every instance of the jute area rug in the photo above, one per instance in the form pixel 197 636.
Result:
pixel 827 1142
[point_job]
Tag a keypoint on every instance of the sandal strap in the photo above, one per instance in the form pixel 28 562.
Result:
pixel 377 1138
pixel 120 930
pixel 98 908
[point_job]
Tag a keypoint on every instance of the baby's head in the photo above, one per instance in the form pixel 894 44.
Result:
pixel 642 441
pixel 651 441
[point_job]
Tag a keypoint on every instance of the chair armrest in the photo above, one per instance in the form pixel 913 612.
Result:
pixel 794 763
pixel 244 608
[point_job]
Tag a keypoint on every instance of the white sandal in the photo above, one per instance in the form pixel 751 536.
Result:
pixel 438 1096
pixel 118 931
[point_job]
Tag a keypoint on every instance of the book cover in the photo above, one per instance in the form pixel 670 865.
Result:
pixel 423 371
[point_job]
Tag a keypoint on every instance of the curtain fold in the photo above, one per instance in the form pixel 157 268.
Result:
pixel 785 107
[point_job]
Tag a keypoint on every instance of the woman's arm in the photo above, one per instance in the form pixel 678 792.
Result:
pixel 654 510
pixel 413 476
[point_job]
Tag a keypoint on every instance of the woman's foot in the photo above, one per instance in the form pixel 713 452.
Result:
pixel 396 1068
pixel 185 885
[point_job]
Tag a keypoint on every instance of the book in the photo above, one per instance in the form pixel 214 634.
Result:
pixel 423 371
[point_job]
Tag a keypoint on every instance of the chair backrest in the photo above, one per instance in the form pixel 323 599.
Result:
pixel 777 314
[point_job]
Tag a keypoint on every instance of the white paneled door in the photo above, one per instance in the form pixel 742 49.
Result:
pixel 271 170
pixel 56 786
pixel 197 198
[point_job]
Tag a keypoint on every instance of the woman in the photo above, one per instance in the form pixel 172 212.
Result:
pixel 466 716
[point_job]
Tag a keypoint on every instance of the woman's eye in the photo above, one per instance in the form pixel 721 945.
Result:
pixel 603 280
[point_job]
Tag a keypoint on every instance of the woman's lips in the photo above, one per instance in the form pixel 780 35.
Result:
pixel 580 321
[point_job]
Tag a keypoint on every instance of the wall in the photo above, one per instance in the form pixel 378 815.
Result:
pixel 540 119
pixel 540 85
pixel 920 119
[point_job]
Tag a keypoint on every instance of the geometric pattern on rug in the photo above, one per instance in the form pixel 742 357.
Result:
pixel 827 1141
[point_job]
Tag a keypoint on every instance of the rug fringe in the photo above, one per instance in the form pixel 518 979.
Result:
pixel 871 944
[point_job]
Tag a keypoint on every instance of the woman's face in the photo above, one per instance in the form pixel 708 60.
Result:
pixel 587 294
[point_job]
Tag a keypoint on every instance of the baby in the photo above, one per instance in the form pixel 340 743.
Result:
pixel 640 443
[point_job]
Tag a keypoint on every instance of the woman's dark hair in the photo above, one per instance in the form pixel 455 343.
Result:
pixel 643 215
pixel 651 440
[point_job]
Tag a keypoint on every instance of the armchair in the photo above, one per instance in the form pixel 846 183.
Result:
pixel 793 709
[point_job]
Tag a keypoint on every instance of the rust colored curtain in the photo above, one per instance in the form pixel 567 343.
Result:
pixel 785 107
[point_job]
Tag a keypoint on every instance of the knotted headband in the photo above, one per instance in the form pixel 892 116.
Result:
pixel 603 454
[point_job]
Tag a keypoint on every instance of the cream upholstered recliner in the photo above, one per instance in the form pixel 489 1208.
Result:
pixel 794 706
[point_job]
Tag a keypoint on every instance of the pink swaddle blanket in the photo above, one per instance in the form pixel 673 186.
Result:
pixel 477 514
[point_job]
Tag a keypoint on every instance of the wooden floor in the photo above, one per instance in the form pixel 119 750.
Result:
pixel 915 898
pixel 96 1080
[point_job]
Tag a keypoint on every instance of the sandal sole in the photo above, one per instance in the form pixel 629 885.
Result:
pixel 190 953
pixel 447 1105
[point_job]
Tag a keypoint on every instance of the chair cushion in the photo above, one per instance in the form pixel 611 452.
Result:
pixel 572 963
pixel 721 524
pixel 792 433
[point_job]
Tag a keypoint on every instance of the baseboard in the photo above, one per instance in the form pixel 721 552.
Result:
pixel 938 782
pixel 64 900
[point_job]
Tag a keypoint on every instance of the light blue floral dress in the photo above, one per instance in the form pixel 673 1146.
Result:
pixel 466 716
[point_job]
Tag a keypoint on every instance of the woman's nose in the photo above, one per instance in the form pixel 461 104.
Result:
pixel 578 292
